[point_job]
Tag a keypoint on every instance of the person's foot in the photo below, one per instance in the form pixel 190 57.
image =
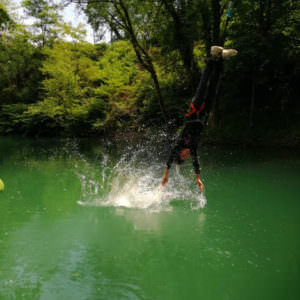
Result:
pixel 217 51
pixel 227 53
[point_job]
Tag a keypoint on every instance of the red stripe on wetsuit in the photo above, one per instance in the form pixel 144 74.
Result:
pixel 194 110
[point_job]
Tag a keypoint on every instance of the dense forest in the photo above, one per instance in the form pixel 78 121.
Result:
pixel 54 83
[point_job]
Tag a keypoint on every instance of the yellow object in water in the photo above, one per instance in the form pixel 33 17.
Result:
pixel 1 185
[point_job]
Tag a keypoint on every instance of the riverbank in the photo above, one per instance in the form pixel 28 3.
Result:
pixel 251 137
pixel 226 136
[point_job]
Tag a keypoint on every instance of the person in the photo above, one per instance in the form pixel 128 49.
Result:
pixel 197 118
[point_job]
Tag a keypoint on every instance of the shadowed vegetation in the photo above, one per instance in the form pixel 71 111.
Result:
pixel 52 82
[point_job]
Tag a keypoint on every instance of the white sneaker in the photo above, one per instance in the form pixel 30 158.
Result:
pixel 216 50
pixel 227 53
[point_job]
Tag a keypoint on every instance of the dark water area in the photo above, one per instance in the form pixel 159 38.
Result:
pixel 88 220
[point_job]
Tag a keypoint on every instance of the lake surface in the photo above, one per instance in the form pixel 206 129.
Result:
pixel 88 220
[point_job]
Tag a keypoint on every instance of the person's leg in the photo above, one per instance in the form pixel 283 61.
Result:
pixel 213 69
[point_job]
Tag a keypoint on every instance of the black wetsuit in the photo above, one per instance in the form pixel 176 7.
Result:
pixel 206 90
pixel 197 118
pixel 188 139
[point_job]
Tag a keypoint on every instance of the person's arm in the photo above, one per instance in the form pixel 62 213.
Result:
pixel 165 177
pixel 194 156
pixel 169 164
pixel 199 182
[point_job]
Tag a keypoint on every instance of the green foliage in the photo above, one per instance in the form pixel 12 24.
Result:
pixel 11 118
pixel 48 26
pixel 173 82
pixel 69 86
pixel 46 20
pixel 265 35
pixel 19 68
pixel 5 19
pixel 119 74
pixel 82 94
pixel 49 86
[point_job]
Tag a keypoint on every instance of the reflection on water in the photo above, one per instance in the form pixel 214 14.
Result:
pixel 35 268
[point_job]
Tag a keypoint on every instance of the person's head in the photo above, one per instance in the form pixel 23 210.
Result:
pixel 182 155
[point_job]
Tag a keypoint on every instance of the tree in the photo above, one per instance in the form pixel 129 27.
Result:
pixel 267 37
pixel 48 25
pixel 87 88
pixel 5 19
pixel 19 68
pixel 69 86
pixel 126 20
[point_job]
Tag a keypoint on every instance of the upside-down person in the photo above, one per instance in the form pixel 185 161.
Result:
pixel 196 119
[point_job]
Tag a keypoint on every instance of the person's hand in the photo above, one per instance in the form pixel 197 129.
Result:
pixel 165 178
pixel 200 184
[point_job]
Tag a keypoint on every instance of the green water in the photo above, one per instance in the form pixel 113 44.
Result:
pixel 60 237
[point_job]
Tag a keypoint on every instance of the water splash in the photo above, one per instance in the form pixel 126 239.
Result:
pixel 133 178
pixel 134 182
